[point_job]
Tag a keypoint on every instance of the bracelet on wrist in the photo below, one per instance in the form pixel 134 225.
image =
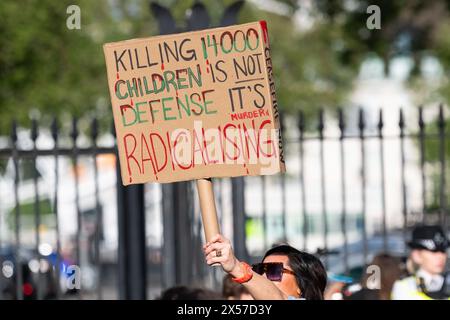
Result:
pixel 248 273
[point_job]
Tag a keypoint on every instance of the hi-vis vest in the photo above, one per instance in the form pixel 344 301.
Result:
pixel 412 288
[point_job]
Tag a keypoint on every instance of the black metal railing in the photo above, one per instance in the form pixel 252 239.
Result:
pixel 16 154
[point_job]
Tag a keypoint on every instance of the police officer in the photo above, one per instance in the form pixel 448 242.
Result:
pixel 429 254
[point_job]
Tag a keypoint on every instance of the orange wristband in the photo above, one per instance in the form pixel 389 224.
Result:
pixel 248 273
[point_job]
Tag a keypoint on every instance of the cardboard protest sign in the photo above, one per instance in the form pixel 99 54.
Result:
pixel 193 105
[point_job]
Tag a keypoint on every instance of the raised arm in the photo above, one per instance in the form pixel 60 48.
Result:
pixel 259 286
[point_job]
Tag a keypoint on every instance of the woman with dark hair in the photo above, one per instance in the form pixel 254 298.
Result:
pixel 284 273
pixel 310 275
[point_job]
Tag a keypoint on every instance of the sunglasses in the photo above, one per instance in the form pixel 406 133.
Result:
pixel 273 270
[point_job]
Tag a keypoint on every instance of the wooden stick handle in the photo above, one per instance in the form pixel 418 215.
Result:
pixel 208 208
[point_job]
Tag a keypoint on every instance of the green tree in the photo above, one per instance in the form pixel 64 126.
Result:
pixel 51 70
pixel 47 69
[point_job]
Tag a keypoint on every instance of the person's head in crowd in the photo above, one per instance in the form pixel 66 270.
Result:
pixel 186 293
pixel 381 274
pixel 298 274
pixel 234 291
pixel 429 249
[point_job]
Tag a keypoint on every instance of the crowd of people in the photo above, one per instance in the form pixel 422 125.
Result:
pixel 286 273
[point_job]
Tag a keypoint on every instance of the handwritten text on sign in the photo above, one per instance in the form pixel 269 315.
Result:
pixel 193 105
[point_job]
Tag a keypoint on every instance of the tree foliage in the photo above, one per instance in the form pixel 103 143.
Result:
pixel 47 69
